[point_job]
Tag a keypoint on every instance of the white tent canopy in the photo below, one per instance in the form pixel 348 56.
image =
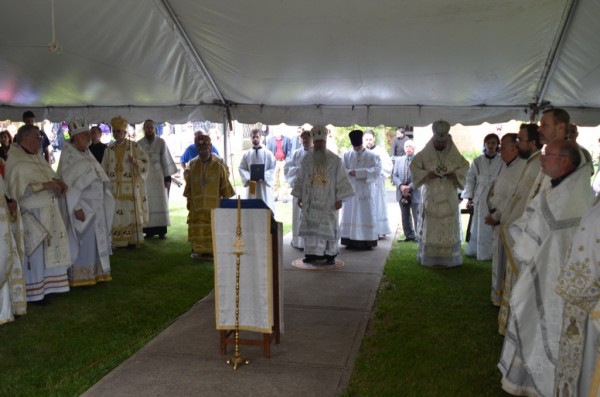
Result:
pixel 317 61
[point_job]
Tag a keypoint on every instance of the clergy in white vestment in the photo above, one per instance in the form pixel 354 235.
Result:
pixel 440 169
pixel 41 196
pixel 554 126
pixel 358 225
pixel 542 236
pixel 158 181
pixel 383 224
pixel 90 207
pixel 528 146
pixel 483 172
pixel 126 165
pixel 258 154
pixel 320 187
pixel 291 170
pixel 13 300
pixel 498 198
pixel 578 369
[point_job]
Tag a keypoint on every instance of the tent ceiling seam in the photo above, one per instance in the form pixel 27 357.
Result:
pixel 187 43
pixel 553 55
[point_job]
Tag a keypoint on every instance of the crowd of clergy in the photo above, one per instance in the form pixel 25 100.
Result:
pixel 60 227
pixel 530 201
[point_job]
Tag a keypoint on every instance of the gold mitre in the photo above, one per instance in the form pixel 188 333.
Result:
pixel 118 123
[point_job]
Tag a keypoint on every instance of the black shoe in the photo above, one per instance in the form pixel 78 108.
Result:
pixel 312 258
pixel 408 239
pixel 330 259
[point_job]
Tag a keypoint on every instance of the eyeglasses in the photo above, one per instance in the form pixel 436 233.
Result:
pixel 553 154
pixel 506 146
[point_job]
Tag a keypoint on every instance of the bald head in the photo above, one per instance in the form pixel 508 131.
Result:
pixel 560 158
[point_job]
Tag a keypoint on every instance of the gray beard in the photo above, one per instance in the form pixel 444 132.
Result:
pixel 320 159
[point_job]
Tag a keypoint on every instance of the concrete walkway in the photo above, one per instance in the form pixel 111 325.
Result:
pixel 325 314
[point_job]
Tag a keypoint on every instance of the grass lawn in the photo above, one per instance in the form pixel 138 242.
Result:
pixel 63 348
pixel 433 332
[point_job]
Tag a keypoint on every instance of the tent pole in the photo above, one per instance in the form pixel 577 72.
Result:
pixel 554 54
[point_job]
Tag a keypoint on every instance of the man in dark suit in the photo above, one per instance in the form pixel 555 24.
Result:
pixel 408 197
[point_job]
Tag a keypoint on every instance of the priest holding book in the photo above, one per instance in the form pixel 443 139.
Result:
pixel 258 165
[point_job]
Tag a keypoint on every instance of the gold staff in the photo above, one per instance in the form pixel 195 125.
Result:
pixel 237 358
pixel 135 209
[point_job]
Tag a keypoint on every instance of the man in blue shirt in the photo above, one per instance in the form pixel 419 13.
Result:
pixel 191 152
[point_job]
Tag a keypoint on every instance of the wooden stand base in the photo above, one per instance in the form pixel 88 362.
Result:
pixel 228 338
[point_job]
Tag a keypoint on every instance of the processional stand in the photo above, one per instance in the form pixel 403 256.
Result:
pixel 231 336
pixel 237 359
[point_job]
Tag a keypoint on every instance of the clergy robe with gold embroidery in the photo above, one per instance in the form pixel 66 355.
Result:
pixel 578 369
pixel 206 184
pixel 319 190
pixel 12 284
pixel 439 239
pixel 89 191
pixel 47 257
pixel 129 190
pixel 542 236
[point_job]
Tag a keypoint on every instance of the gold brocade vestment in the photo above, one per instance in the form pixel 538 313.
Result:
pixel 206 184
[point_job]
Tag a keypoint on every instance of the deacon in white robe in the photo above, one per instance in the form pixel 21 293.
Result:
pixel 291 170
pixel 358 226
pixel 383 224
pixel 498 198
pixel 542 237
pixel 91 208
pixel 528 145
pixel 40 194
pixel 13 299
pixel 126 165
pixel 320 187
pixel 483 172
pixel 158 181
pixel 578 369
pixel 441 170
pixel 258 154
